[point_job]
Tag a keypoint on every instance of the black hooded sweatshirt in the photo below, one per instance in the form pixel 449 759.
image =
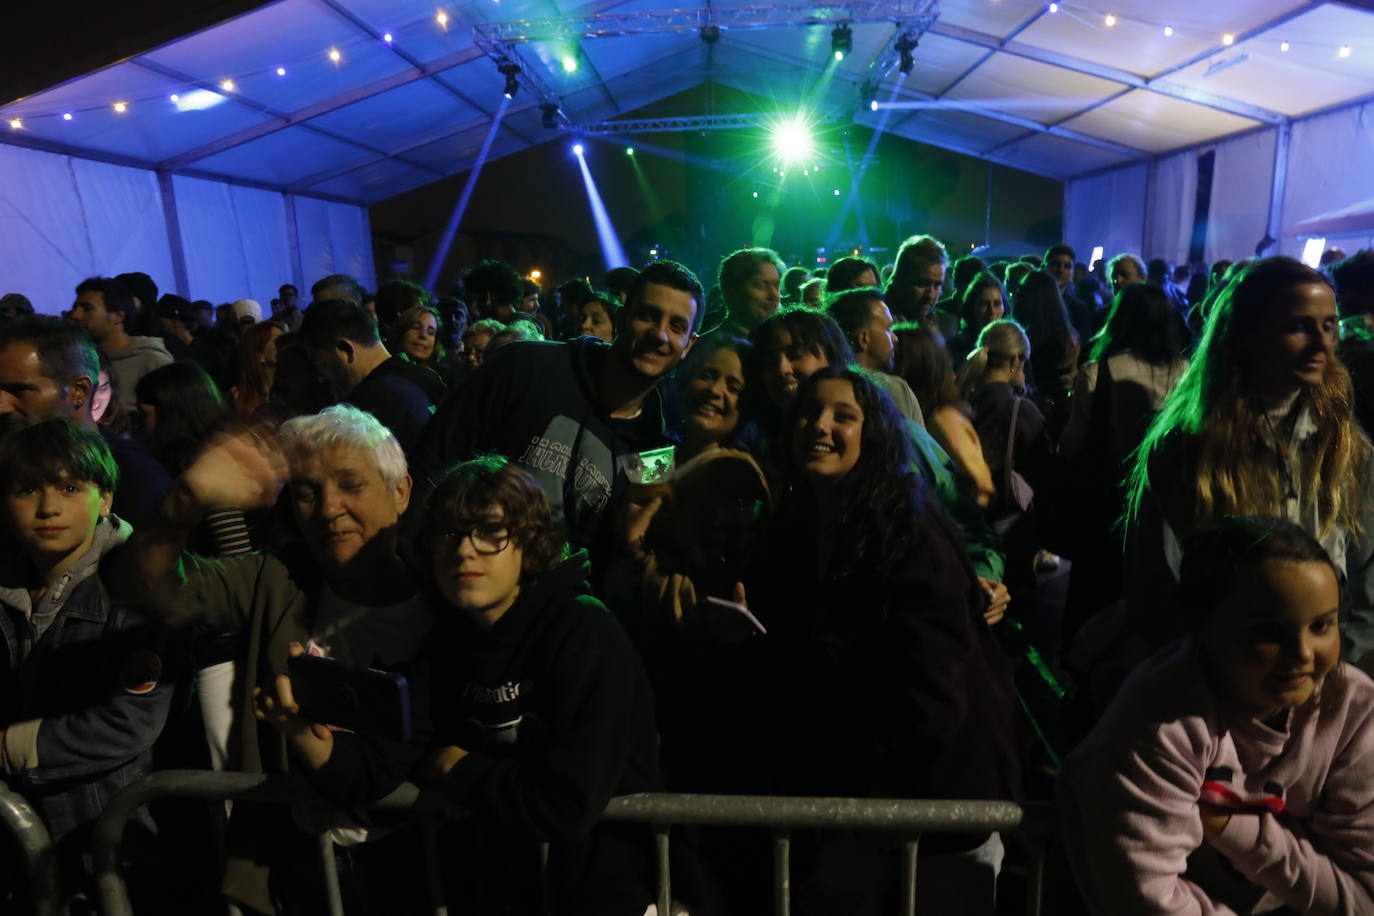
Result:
pixel 555 708
pixel 538 403
pixel 402 395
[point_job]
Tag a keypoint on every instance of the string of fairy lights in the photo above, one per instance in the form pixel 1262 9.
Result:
pixel 197 97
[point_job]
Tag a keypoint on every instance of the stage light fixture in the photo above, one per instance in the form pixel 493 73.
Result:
pixel 1283 46
pixel 906 45
pixel 841 41
pixel 281 71
pixel 387 38
pixel 511 71
pixel 549 113
pixel 15 123
pixel 577 149
pixel 226 85
pixel 67 116
pixel 121 107
pixel 792 141
pixel 1228 39
pixel 1054 7
pixel 1344 51
pixel 710 34
pixel 334 55
pixel 1110 20
pixel 1168 31
pixel 569 63
pixel 630 151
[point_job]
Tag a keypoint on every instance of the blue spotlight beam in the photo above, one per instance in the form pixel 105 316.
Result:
pixel 432 275
pixel 611 251
pixel 884 113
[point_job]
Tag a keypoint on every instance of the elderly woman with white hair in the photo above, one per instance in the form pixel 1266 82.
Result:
pixel 346 595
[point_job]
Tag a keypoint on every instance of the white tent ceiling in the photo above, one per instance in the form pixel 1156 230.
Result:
pixel 1050 88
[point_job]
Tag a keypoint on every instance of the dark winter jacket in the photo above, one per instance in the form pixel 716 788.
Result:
pixel 555 708
pixel 402 396
pixel 538 404
pixel 85 686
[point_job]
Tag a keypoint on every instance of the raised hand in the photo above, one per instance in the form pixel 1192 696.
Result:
pixel 241 468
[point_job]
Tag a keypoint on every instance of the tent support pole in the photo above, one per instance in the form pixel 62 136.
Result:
pixel 293 239
pixel 1276 188
pixel 174 242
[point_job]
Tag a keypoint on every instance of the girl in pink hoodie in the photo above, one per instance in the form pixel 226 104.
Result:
pixel 1234 773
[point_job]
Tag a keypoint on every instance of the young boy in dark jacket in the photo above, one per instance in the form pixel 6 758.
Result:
pixel 83 693
pixel 542 707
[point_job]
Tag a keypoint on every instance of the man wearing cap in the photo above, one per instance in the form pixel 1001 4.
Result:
pixel 102 307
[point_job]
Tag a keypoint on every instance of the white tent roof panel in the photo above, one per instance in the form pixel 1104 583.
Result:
pixel 1157 123
pixel 997 78
pixel 1032 90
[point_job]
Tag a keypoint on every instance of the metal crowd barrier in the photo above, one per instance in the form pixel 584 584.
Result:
pixel 905 818
pixel 36 849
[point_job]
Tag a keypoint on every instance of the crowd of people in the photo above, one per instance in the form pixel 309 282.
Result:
pixel 1012 530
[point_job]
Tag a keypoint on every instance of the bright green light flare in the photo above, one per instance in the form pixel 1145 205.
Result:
pixel 569 63
pixel 792 141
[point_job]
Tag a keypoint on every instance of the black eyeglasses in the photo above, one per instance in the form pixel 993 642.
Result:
pixel 487 539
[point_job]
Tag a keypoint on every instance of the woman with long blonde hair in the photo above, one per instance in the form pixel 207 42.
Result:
pixel 1259 424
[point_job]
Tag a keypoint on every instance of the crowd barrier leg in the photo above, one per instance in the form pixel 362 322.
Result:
pixel 430 837
pixel 910 849
pixel 665 881
pixel 35 845
pixel 782 872
pixel 330 869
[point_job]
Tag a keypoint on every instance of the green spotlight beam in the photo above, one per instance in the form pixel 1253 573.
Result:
pixel 651 199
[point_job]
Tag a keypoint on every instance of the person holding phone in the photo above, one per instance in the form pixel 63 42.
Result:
pixel 542 708
pixel 346 594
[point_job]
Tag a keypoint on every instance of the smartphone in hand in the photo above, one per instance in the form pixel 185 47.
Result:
pixel 362 700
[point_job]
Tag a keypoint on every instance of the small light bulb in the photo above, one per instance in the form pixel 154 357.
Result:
pixel 67 116
pixel 334 55
pixel 509 96
pixel 775 170
pixel 756 193
pixel 281 71
pixel 442 18
pixel 837 192
pixel 1228 39
pixel 805 172
pixel 15 123
pixel 121 107
pixel 226 85
pixel 387 38
pixel 839 55
pixel 1111 20
pixel 1168 31
pixel 873 105
pixel 1344 51
pixel 536 274
pixel 1054 7
pixel 629 150
pixel 577 149
pixel 174 97
pixel 1283 46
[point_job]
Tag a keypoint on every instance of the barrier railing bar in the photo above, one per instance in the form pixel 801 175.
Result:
pixel 665 881
pixel 660 810
pixel 35 845
pixel 910 848
pixel 782 873
pixel 896 814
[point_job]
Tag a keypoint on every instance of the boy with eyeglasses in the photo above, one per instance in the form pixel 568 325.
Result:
pixel 542 708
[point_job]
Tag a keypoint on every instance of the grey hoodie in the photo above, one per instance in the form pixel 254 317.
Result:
pixel 141 356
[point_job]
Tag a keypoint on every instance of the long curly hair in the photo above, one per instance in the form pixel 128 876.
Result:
pixel 1215 409
pixel 882 497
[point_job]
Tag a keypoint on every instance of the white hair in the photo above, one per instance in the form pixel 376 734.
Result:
pixel 344 426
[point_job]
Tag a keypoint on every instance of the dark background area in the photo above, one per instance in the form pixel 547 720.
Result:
pixel 690 197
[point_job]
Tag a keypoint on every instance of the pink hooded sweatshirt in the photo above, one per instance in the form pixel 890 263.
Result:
pixel 1303 832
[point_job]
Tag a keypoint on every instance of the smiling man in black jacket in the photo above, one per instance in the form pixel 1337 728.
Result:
pixel 569 412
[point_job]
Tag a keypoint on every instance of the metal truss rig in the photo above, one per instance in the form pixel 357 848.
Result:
pixel 674 125
pixel 913 18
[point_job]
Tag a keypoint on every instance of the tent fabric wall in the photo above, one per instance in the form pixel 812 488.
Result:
pixel 1334 158
pixel 1172 206
pixel 334 240
pixel 235 240
pixel 63 219
pixel 1241 178
pixel 1106 210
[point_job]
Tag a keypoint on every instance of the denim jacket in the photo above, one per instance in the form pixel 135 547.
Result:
pixel 81 703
